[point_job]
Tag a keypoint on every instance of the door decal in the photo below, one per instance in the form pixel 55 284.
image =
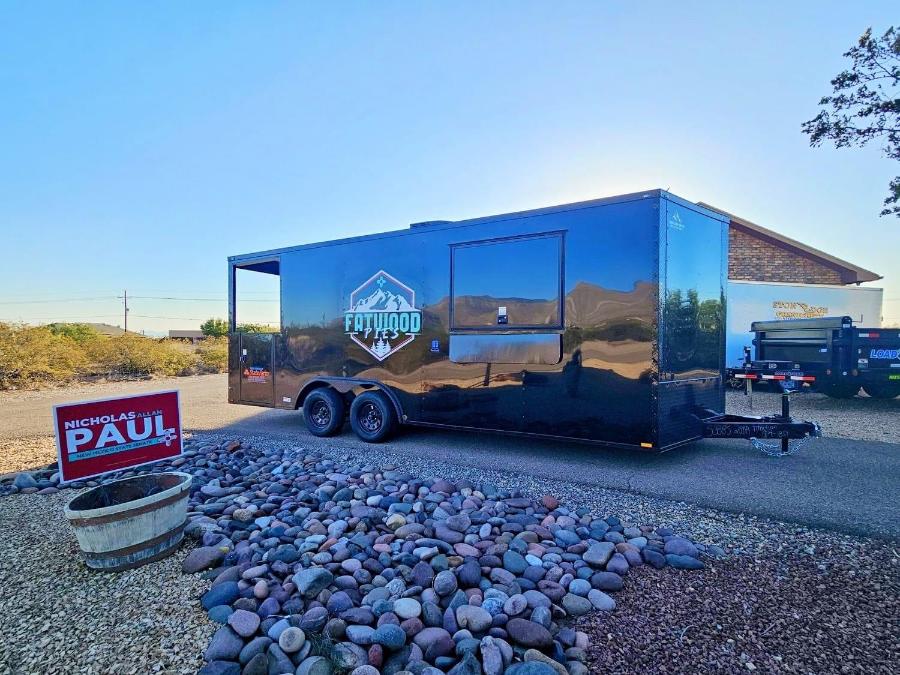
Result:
pixel 382 317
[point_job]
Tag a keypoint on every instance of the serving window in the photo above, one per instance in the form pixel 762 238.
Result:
pixel 513 283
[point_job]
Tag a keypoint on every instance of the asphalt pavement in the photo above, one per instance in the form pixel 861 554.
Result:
pixel 840 484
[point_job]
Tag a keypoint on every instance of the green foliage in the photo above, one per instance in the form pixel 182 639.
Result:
pixel 214 327
pixel 80 332
pixel 257 328
pixel 36 356
pixel 865 105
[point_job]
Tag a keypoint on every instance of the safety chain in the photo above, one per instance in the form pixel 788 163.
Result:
pixel 774 449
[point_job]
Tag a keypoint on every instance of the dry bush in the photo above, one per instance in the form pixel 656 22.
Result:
pixel 212 355
pixel 31 356
pixel 132 354
pixel 36 356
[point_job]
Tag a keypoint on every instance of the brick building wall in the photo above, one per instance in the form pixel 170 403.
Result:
pixel 752 258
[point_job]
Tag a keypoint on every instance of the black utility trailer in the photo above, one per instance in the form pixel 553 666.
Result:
pixel 827 354
pixel 601 321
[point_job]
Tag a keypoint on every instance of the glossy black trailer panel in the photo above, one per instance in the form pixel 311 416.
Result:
pixel 599 321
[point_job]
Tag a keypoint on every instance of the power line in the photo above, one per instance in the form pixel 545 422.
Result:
pixel 36 302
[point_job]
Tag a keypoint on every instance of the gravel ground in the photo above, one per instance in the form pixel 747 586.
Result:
pixel 786 599
pixel 861 418
pixel 57 617
pixel 26 453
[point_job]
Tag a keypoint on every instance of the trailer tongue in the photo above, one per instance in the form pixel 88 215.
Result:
pixel 780 427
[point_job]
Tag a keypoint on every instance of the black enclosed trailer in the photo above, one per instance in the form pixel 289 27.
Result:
pixel 599 321
pixel 827 354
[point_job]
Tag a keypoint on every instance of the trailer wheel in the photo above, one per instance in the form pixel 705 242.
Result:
pixel 882 390
pixel 323 412
pixel 372 416
pixel 840 391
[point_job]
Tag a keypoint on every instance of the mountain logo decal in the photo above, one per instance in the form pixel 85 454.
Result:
pixel 382 317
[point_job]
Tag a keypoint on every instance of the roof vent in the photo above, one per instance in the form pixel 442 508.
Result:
pixel 430 223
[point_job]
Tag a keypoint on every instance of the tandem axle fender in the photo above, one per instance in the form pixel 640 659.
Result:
pixel 781 427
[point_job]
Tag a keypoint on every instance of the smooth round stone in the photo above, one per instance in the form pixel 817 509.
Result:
pixel 617 564
pixel 576 605
pixel 291 640
pixel 390 636
pixel 601 600
pixel 580 587
pixel 254 572
pixel 515 605
pixel 278 628
pixel 365 670
pixel 469 574
pixel 681 546
pixel 220 613
pixel 243 622
pixel 360 635
pixel 445 583
pixel 529 634
pixel 607 581
pixel 514 562
pixel 407 608
pixel 351 565
pixel 315 665
pixel 476 619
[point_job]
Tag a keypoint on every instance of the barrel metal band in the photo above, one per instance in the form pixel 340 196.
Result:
pixel 150 543
pixel 122 515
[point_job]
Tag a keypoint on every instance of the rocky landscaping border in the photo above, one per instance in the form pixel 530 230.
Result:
pixel 319 567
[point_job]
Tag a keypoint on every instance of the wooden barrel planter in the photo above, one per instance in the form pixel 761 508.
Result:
pixel 130 522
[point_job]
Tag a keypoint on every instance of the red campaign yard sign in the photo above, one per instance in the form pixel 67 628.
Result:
pixel 96 437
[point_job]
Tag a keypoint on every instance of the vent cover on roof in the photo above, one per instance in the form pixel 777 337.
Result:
pixel 430 223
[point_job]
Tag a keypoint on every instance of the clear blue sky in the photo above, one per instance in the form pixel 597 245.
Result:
pixel 143 143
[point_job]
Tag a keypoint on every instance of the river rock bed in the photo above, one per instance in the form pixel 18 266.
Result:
pixel 317 567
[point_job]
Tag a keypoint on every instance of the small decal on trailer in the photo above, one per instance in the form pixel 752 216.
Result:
pixel 382 317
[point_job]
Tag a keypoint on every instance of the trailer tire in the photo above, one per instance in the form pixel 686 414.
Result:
pixel 323 411
pixel 882 390
pixel 372 416
pixel 841 391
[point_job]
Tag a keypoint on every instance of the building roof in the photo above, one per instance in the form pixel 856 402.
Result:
pixel 851 274
pixel 185 333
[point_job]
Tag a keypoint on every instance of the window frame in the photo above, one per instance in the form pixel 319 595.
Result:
pixel 559 325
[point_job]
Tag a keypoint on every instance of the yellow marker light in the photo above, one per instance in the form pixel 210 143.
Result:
pixel 646 445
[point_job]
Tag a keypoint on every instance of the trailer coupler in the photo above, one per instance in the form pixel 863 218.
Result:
pixel 781 427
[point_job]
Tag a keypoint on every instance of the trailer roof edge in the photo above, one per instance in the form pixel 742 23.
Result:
pixel 574 206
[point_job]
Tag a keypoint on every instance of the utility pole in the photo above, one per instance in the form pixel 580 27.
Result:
pixel 125 298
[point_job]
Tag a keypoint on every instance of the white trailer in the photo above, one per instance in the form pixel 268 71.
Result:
pixel 750 301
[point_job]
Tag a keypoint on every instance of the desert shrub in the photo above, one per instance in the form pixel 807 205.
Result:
pixel 212 355
pixel 132 354
pixel 31 356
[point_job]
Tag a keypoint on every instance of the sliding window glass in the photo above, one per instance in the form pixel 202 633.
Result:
pixel 513 283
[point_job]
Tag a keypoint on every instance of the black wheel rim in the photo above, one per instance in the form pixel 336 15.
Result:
pixel 320 414
pixel 370 418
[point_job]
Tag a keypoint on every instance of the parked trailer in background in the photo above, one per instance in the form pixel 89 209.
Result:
pixel 750 301
pixel 829 355
pixel 601 321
